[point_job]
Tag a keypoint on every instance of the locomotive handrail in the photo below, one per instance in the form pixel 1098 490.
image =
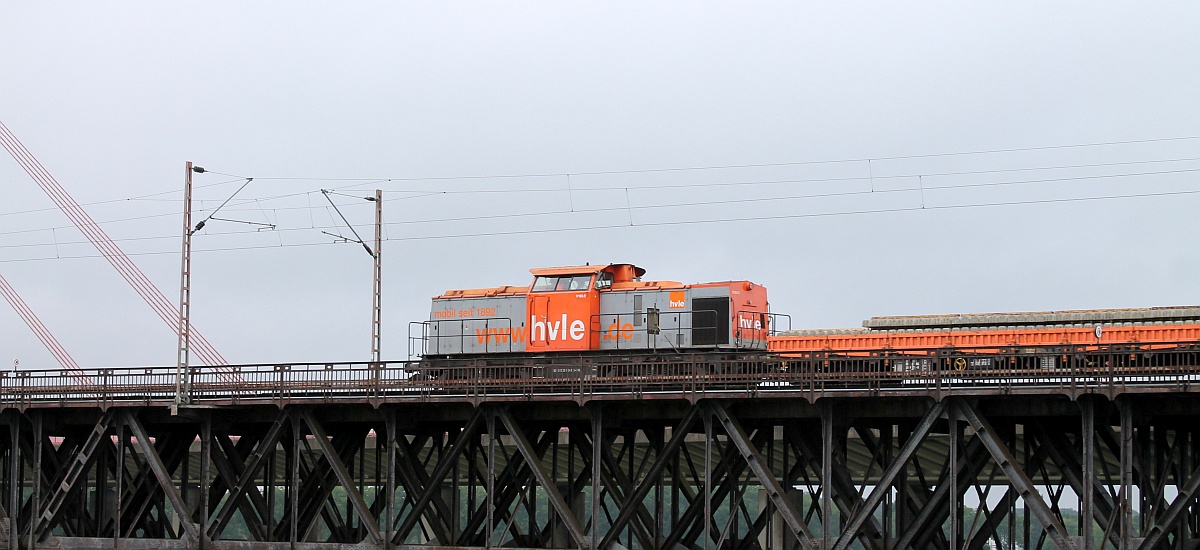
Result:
pixel 767 329
pixel 617 333
pixel 462 335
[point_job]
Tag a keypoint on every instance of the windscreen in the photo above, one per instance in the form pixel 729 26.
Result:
pixel 564 282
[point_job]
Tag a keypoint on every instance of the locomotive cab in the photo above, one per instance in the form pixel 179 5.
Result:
pixel 561 304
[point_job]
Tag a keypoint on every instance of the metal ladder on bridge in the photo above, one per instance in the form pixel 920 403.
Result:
pixel 77 468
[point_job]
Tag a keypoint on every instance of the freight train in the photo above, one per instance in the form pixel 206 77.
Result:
pixel 605 320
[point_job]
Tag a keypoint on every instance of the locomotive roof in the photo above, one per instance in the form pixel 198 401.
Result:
pixel 580 269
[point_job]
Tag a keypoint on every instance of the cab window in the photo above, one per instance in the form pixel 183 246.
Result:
pixel 604 280
pixel 565 283
pixel 580 282
pixel 543 284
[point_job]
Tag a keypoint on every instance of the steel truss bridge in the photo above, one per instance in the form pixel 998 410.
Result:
pixel 1066 448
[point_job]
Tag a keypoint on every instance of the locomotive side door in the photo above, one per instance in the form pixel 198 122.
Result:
pixel 539 310
pixel 560 313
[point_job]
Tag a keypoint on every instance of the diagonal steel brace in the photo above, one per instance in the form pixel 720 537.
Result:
pixel 678 435
pixel 343 475
pixel 750 454
pixel 1017 476
pixel 249 473
pixel 1177 511
pixel 164 477
pixel 535 464
pixel 439 473
pixel 887 477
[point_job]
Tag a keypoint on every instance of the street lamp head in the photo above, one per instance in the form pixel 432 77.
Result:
pixel 198 170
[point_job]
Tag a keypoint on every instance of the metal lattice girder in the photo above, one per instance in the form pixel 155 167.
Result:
pixel 638 494
pixel 987 531
pixel 510 481
pixel 413 477
pixel 30 449
pixel 750 454
pixel 730 466
pixel 1183 501
pixel 77 468
pixel 1016 476
pixel 172 450
pixel 61 461
pixel 248 475
pixel 1069 467
pixel 885 479
pixel 339 469
pixel 520 496
pixel 319 481
pixel 845 494
pixel 230 467
pixel 439 473
pixel 164 476
pixel 618 486
pixel 972 463
pixel 34 446
pixel 534 462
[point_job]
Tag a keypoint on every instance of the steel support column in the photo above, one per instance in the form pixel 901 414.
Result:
pixel 826 473
pixel 1087 438
pixel 1126 496
pixel 597 438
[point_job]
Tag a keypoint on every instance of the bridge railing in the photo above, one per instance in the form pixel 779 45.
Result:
pixel 1067 369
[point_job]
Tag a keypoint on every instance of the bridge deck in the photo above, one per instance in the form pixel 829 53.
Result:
pixel 937 448
pixel 936 372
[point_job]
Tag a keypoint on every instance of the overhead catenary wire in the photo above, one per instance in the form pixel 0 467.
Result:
pixel 857 212
pixel 717 184
pixel 748 165
pixel 629 207
pixel 552 189
pixel 124 199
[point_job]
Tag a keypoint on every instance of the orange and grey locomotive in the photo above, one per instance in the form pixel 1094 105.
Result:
pixel 597 309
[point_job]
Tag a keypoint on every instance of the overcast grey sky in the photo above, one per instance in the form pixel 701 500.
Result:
pixel 510 136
